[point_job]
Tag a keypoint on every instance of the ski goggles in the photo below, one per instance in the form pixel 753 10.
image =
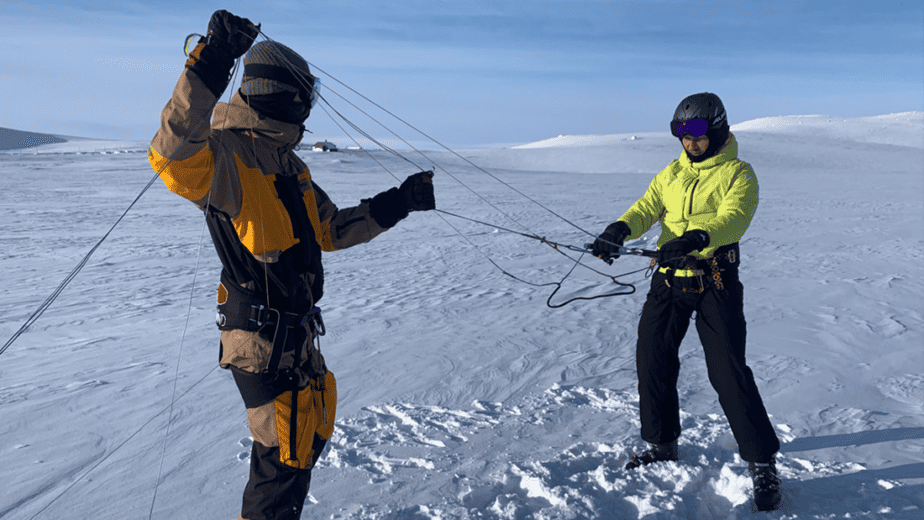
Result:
pixel 694 127
pixel 315 90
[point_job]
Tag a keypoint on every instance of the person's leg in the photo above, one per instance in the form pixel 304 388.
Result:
pixel 661 329
pixel 289 428
pixel 275 491
pixel 722 330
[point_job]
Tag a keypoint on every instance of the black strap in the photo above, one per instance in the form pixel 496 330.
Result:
pixel 253 389
pixel 281 74
pixel 243 309
pixel 247 310
pixel 728 257
pixel 308 249
pixel 293 431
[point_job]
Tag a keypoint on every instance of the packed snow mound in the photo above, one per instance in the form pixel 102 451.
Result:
pixel 587 140
pixel 390 446
pixel 902 129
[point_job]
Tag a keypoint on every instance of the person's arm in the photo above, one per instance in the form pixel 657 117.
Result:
pixel 343 228
pixel 635 222
pixel 647 210
pixel 180 150
pixel 736 210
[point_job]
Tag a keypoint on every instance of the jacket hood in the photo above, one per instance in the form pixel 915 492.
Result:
pixel 728 152
pixel 237 115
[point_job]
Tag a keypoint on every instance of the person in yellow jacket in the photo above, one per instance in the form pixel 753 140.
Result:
pixel 704 202
pixel 269 222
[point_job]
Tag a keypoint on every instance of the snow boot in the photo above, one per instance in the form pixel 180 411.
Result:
pixel 766 485
pixel 657 453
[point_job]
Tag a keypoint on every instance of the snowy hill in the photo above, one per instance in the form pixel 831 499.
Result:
pixel 461 395
pixel 16 139
pixel 904 129
pixel 30 143
pixel 782 141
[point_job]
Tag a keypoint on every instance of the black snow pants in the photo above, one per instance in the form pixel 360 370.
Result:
pixel 721 326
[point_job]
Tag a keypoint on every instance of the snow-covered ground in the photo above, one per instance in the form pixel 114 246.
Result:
pixel 461 395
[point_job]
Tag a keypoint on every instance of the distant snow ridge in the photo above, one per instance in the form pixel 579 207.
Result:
pixel 581 140
pixel 17 142
pixel 15 139
pixel 902 129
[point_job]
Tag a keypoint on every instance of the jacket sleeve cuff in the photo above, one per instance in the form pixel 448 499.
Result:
pixel 387 208
pixel 213 66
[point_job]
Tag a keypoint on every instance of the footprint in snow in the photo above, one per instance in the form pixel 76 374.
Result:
pixel 244 456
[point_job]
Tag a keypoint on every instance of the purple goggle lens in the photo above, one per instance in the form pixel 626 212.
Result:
pixel 694 127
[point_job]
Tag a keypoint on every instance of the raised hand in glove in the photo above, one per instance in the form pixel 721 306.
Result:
pixel 417 191
pixel 606 246
pixel 234 34
pixel 414 194
pixel 671 254
pixel 229 37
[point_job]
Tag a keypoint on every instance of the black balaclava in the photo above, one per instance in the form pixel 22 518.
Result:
pixel 280 106
pixel 272 88
pixel 717 138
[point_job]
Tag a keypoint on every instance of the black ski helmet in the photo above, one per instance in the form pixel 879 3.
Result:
pixel 708 106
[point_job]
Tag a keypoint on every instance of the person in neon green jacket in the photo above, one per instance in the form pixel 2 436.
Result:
pixel 704 201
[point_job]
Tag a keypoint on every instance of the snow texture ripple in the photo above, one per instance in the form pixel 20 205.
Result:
pixel 461 395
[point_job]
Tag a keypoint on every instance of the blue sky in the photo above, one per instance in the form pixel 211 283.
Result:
pixel 478 72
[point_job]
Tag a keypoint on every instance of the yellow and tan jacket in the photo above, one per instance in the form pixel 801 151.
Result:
pixel 718 195
pixel 242 171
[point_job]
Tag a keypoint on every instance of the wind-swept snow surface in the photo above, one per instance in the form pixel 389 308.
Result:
pixel 462 396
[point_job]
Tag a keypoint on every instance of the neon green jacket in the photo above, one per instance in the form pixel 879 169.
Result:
pixel 718 195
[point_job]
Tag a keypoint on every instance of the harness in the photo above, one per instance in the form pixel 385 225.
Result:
pixel 725 259
pixel 242 309
pixel 286 371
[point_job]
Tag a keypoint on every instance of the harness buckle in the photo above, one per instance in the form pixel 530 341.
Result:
pixel 315 315
pixel 259 314
pixel 702 287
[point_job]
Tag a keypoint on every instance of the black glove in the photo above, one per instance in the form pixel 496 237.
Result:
pixel 229 37
pixel 232 33
pixel 673 252
pixel 415 194
pixel 417 191
pixel 615 233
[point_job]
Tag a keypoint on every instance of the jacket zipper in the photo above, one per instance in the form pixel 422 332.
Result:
pixel 692 190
